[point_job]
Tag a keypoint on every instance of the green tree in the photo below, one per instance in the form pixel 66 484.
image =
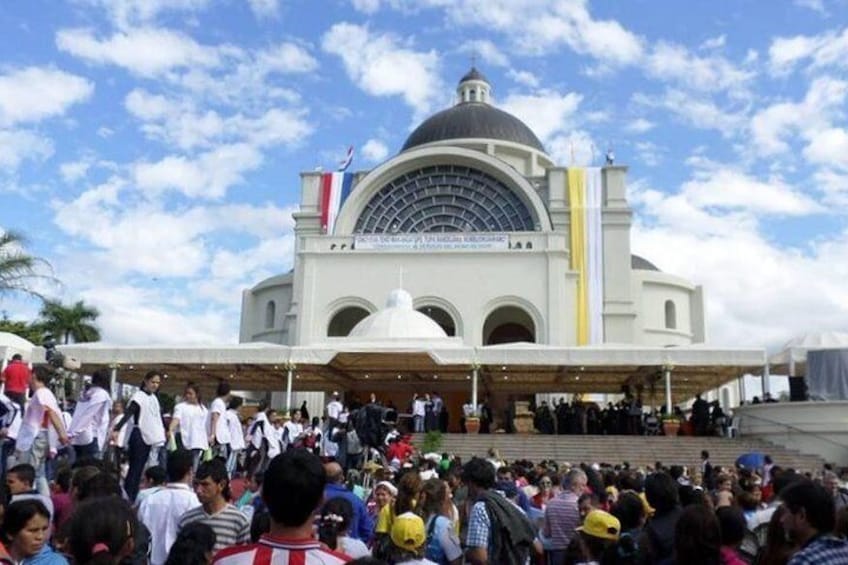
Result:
pixel 18 269
pixel 69 324
pixel 30 332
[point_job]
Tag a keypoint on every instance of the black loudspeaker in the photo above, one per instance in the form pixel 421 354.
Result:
pixel 797 389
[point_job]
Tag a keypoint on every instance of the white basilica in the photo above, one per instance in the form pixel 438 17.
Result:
pixel 474 219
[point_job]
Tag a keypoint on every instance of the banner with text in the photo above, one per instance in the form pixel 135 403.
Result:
pixel 432 242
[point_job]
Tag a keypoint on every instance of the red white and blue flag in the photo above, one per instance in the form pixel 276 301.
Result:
pixel 335 188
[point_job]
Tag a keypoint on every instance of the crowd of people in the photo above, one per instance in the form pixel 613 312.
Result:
pixel 349 487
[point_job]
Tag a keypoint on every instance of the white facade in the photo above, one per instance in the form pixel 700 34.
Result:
pixel 520 289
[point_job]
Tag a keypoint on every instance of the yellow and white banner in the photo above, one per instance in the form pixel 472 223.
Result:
pixel 585 195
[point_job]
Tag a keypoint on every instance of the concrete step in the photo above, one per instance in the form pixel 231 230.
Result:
pixel 637 450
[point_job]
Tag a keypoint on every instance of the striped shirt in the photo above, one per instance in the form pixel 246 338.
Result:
pixel 279 551
pixel 230 525
pixel 562 516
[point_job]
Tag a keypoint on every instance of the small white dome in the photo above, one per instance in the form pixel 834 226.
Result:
pixel 398 320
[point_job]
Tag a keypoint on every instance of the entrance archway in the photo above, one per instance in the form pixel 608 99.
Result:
pixel 441 317
pixel 508 324
pixel 344 321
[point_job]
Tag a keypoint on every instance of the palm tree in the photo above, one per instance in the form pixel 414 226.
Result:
pixel 70 323
pixel 17 268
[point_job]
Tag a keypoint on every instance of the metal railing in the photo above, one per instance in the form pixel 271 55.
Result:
pixel 788 427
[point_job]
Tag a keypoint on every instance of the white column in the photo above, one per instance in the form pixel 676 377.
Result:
pixel 474 373
pixel 289 389
pixel 113 383
pixel 669 409
pixel 766 383
pixel 741 389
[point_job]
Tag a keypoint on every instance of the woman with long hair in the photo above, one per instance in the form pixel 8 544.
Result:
pixel 25 532
pixel 384 494
pixel 334 527
pixel 409 489
pixel 443 544
pixel 147 433
pixel 546 492
pixel 778 549
pixel 190 418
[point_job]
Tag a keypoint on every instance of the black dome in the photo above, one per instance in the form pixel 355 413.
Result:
pixel 473 120
pixel 638 263
pixel 473 74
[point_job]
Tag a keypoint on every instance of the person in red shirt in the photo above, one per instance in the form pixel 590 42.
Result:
pixel 16 377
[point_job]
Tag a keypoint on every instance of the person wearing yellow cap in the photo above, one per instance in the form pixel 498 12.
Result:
pixel 409 537
pixel 598 534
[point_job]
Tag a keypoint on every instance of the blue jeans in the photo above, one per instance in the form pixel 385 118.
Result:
pixel 232 462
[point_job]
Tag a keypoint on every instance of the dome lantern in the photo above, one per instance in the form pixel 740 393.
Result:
pixel 473 87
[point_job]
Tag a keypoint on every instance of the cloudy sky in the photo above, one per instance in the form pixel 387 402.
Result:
pixel 150 149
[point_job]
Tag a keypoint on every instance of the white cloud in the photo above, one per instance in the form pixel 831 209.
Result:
pixel 366 6
pixel 32 94
pixel 146 51
pixel 814 5
pixel 73 171
pixel 524 77
pixel 714 43
pixel 649 154
pixel 209 175
pixel 285 58
pixel 670 61
pixel 573 148
pixel 486 51
pixel 127 12
pixel 829 147
pixel 265 8
pixel 383 65
pixel 824 50
pixel 698 111
pixel 17 146
pixel 639 125
pixel 772 125
pixel 375 150
pixel 546 112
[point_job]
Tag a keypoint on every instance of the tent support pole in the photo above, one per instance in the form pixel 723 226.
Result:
pixel 289 389
pixel 766 383
pixel 474 374
pixel 668 406
pixel 113 382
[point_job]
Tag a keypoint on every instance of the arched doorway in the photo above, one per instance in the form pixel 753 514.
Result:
pixel 441 317
pixel 508 324
pixel 344 321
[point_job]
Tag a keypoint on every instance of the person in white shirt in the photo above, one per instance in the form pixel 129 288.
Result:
pixel 34 443
pixel 10 423
pixel 161 511
pixel 89 426
pixel 219 431
pixel 292 431
pixel 257 439
pixel 274 437
pixel 334 409
pixel 190 417
pixel 419 406
pixel 237 443
pixel 147 432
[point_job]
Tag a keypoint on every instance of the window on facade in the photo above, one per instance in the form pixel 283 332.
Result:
pixel 474 96
pixel 270 314
pixel 670 315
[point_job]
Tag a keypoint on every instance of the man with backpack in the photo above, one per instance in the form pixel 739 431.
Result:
pixel 498 531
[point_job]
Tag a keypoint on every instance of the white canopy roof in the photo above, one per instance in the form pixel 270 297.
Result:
pixel 11 344
pixel 793 356
pixel 518 367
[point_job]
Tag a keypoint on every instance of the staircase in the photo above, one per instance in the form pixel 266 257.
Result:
pixel 637 450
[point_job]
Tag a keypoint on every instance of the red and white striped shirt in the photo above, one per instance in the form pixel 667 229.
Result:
pixel 279 551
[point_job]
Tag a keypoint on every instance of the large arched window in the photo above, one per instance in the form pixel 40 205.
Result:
pixel 270 314
pixel 441 317
pixel 670 315
pixel 344 321
pixel 508 324
pixel 445 198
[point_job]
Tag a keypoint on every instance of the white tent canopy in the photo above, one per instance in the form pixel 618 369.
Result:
pixel 10 344
pixel 347 364
pixel 792 358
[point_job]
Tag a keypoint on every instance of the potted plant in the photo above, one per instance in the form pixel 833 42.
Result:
pixel 432 442
pixel 671 425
